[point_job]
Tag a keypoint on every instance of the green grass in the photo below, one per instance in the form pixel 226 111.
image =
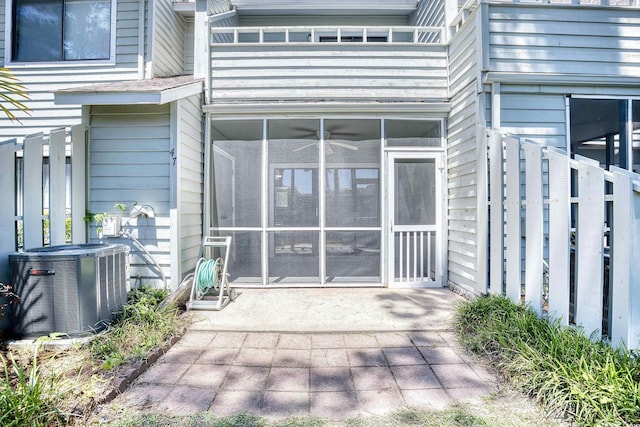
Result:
pixel 588 381
pixel 458 416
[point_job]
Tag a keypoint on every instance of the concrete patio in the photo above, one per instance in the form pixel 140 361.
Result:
pixel 329 353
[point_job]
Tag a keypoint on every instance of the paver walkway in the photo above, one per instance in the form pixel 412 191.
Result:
pixel 335 376
pixel 329 353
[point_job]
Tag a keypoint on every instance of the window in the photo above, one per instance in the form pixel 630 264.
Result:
pixel 61 30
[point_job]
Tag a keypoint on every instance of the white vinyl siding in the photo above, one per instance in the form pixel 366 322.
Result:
pixel 42 81
pixel 428 14
pixel 462 164
pixel 564 40
pixel 129 163
pixel 464 68
pixel 539 117
pixel 462 190
pixel 190 182
pixel 168 40
pixel 311 20
pixel 329 71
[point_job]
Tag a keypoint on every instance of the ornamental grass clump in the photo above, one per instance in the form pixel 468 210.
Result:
pixel 572 374
pixel 27 397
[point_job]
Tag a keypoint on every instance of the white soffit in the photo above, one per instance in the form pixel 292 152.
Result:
pixel 156 91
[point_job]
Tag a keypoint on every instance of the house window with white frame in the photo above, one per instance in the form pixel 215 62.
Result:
pixel 61 30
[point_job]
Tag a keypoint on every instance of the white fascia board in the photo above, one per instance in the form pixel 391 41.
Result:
pixel 302 108
pixel 559 79
pixel 170 95
pixel 129 97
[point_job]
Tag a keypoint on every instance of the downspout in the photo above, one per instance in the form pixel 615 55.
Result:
pixel 206 197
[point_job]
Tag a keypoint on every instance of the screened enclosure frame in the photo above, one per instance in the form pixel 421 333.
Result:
pixel 322 241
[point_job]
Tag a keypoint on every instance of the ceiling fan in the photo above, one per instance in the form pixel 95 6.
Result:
pixel 327 138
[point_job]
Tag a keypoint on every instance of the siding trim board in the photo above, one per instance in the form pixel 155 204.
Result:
pixel 436 108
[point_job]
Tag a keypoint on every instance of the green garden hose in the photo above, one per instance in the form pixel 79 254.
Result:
pixel 208 275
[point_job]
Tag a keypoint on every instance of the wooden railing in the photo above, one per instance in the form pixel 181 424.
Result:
pixel 324 34
pixel 565 237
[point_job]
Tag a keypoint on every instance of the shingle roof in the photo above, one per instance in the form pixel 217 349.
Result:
pixel 150 91
pixel 148 85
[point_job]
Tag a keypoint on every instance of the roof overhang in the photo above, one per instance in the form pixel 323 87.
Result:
pixel 156 91
pixel 414 109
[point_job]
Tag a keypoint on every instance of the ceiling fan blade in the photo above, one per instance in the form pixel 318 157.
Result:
pixel 303 147
pixel 344 145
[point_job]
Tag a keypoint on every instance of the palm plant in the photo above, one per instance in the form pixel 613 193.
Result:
pixel 10 92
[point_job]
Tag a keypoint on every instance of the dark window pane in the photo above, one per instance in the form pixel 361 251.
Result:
pixel 37 30
pixel 87 28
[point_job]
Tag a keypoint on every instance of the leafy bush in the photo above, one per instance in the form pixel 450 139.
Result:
pixel 591 382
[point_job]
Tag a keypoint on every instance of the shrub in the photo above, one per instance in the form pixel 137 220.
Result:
pixel 591 382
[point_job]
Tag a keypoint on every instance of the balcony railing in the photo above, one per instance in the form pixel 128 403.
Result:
pixel 326 34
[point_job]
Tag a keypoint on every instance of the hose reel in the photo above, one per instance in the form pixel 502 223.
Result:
pixel 210 288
